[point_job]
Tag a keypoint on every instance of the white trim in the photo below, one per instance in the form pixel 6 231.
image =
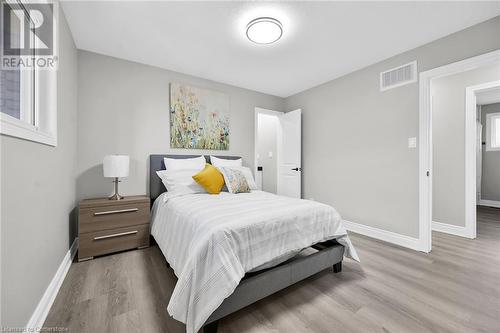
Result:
pixel 42 310
pixel 384 235
pixel 425 163
pixel 451 229
pixel 425 141
pixel 17 128
pixel 489 203
pixel 470 162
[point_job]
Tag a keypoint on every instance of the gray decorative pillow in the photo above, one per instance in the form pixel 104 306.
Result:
pixel 235 180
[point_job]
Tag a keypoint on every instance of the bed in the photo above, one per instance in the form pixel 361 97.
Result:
pixel 231 250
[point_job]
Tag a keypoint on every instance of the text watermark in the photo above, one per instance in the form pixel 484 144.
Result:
pixel 29 33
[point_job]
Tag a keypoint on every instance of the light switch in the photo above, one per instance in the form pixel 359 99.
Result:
pixel 412 142
pixel 270 154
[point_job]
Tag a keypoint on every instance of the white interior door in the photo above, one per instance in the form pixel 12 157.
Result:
pixel 289 157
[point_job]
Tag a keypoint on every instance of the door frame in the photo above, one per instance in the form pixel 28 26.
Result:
pixel 470 105
pixel 259 110
pixel 425 143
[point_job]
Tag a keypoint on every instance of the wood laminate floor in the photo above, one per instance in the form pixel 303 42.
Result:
pixel 456 288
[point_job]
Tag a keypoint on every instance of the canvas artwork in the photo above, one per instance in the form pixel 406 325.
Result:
pixel 199 118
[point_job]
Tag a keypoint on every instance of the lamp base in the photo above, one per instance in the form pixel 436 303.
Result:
pixel 116 196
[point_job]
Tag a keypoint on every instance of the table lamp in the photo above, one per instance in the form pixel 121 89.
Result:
pixel 116 166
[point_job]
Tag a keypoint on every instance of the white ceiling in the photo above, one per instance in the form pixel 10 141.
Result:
pixel 488 97
pixel 321 41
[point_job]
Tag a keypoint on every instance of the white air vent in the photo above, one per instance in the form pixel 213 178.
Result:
pixel 399 76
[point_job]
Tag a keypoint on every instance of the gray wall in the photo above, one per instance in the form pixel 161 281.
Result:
pixel 490 184
pixel 354 150
pixel 267 141
pixel 38 198
pixel 123 107
pixel 448 135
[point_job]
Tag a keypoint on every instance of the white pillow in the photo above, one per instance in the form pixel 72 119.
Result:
pixel 248 176
pixel 180 181
pixel 194 163
pixel 222 162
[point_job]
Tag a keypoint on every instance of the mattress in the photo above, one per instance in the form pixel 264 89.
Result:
pixel 211 241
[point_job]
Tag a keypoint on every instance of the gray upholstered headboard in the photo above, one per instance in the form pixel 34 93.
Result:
pixel 156 187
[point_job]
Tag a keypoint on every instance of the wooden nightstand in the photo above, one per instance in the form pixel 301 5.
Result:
pixel 107 226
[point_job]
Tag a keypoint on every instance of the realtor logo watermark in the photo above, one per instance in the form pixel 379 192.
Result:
pixel 29 35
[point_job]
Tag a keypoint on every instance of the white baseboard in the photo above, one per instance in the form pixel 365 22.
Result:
pixel 42 309
pixel 489 203
pixel 384 235
pixel 451 229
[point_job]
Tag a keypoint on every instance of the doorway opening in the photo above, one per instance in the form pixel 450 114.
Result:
pixel 449 145
pixel 278 151
pixel 487 101
pixel 266 149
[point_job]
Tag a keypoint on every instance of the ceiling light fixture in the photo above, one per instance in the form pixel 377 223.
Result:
pixel 264 30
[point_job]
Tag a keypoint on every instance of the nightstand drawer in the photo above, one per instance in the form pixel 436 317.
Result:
pixel 113 216
pixel 109 241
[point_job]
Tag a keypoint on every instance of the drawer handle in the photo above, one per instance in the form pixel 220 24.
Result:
pixel 116 235
pixel 128 210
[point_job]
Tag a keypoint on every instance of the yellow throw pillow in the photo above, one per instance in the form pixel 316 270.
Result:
pixel 210 178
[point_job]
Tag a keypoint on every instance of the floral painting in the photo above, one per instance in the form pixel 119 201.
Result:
pixel 199 118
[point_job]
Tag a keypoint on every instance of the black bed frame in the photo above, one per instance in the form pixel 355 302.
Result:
pixel 256 286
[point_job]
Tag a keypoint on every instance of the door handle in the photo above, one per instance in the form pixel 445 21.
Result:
pixel 297 169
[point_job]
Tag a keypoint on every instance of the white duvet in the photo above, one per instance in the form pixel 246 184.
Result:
pixel 212 240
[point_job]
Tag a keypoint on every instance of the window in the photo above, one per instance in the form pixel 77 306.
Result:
pixel 493 131
pixel 27 95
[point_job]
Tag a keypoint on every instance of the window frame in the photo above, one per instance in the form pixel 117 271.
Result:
pixel 491 130
pixel 35 108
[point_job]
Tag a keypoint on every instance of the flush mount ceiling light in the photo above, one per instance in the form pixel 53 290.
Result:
pixel 264 30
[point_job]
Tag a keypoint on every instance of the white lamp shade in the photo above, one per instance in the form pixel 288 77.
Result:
pixel 116 165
